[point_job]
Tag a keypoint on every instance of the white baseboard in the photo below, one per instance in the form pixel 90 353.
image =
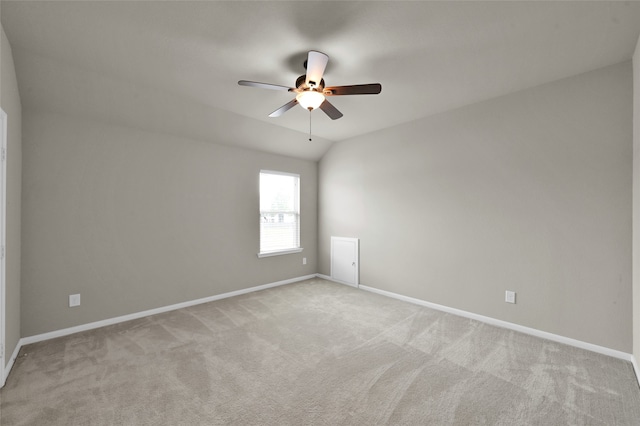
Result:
pixel 136 315
pixel 508 325
pixel 328 278
pixel 636 368
pixel 110 321
pixel 12 360
pixel 499 323
pixel 504 324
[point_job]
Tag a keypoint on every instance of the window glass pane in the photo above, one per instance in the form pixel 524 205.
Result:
pixel 279 212
pixel 277 192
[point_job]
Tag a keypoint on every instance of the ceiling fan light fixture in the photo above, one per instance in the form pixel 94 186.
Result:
pixel 311 90
pixel 310 99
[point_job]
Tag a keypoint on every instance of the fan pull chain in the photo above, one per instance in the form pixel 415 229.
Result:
pixel 309 124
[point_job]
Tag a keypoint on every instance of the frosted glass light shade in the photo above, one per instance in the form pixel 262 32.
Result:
pixel 310 99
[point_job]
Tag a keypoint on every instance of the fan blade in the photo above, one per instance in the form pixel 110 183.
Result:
pixel 284 108
pixel 264 85
pixel 330 110
pixel 316 63
pixel 358 89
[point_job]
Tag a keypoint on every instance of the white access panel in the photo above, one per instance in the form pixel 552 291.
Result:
pixel 345 263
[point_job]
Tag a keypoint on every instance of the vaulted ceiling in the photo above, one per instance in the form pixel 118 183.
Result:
pixel 173 66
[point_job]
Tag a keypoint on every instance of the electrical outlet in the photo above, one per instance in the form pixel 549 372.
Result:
pixel 74 300
pixel 304 260
pixel 510 296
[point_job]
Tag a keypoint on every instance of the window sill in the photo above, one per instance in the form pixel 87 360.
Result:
pixel 279 252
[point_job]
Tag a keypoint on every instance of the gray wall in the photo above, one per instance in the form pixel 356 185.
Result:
pixel 134 220
pixel 528 192
pixel 10 101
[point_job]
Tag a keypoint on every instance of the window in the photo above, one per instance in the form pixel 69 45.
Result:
pixel 279 213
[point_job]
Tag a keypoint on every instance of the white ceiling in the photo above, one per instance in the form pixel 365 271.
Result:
pixel 173 66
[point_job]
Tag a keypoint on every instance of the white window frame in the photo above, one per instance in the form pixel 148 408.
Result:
pixel 296 212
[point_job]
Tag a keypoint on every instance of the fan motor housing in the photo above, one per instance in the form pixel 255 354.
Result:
pixel 301 84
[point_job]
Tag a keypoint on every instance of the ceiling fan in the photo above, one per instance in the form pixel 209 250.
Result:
pixel 311 91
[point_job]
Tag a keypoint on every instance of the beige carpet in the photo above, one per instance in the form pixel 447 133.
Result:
pixel 314 353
